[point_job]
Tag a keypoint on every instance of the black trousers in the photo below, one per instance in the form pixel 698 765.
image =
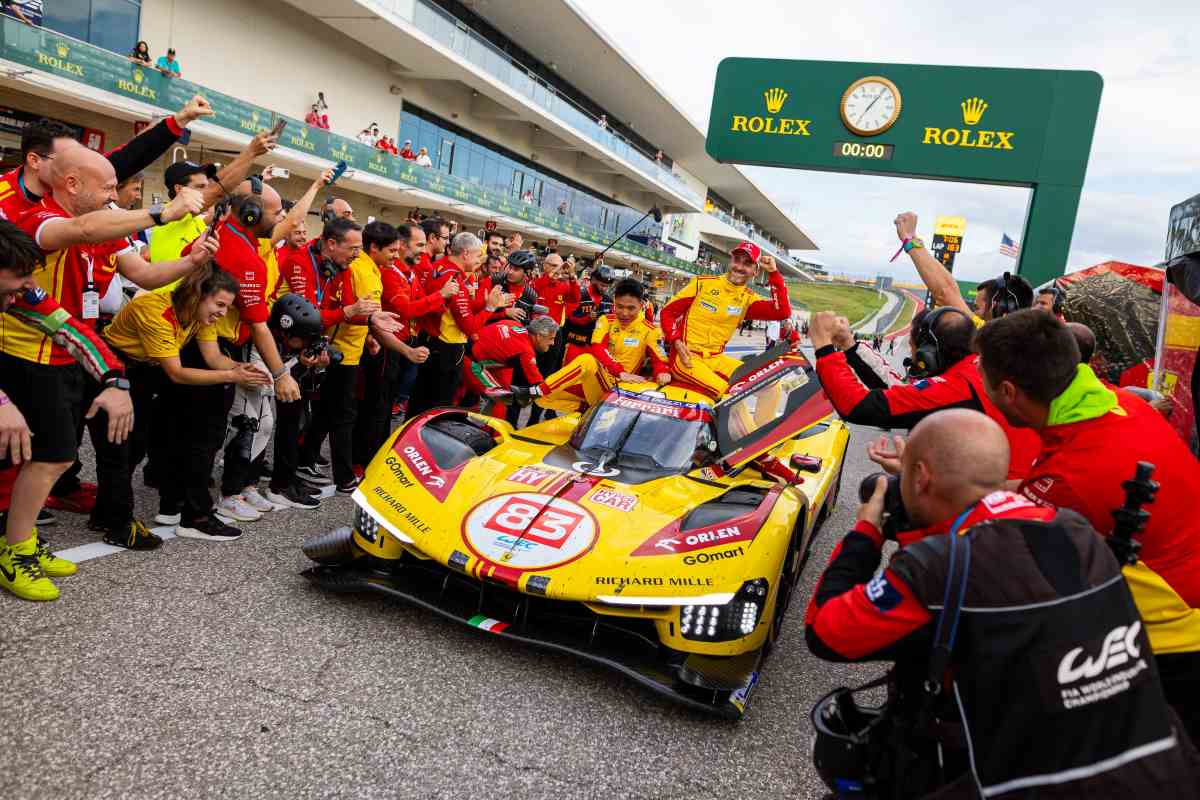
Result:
pixel 289 422
pixel 439 377
pixel 196 431
pixel 380 374
pixel 333 416
pixel 115 463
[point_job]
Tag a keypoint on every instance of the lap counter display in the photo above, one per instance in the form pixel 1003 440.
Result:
pixel 878 152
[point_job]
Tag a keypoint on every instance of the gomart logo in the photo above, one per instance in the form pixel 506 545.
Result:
pixel 529 530
pixel 972 113
pixel 775 99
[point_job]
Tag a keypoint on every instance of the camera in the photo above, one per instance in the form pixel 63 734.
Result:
pixel 893 504
pixel 322 345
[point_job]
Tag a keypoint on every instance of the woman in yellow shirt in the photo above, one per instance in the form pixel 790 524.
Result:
pixel 147 335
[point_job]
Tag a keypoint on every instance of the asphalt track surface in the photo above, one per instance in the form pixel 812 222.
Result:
pixel 215 670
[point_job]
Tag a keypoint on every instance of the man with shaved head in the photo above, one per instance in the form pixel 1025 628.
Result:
pixel 1084 339
pixel 1006 620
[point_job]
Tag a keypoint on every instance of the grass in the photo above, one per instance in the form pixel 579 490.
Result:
pixel 905 317
pixel 855 303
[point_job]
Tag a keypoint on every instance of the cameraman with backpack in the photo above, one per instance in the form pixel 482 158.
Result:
pixel 1022 667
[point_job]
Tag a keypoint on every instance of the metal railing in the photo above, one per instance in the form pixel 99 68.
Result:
pixel 761 241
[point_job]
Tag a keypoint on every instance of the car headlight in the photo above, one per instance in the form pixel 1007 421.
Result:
pixel 365 524
pixel 737 618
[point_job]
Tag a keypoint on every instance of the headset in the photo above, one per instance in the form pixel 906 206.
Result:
pixel 327 213
pixel 251 212
pixel 1004 301
pixel 1060 297
pixel 928 359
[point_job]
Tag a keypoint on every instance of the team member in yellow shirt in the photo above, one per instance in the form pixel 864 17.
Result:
pixel 698 322
pixel 148 335
pixel 621 343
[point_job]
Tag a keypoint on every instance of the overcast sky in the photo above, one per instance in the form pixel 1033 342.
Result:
pixel 1145 158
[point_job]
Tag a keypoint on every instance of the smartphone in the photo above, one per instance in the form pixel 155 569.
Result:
pixel 338 172
pixel 279 126
pixel 281 172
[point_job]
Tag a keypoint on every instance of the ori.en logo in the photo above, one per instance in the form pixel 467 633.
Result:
pixel 774 97
pixel 972 113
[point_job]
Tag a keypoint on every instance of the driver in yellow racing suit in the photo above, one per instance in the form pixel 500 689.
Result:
pixel 698 322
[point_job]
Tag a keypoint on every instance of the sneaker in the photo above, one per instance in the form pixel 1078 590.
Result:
pixel 78 501
pixel 292 497
pixel 313 475
pixel 52 565
pixel 209 529
pixel 22 574
pixel 349 486
pixel 132 535
pixel 257 501
pixel 45 519
pixel 236 508
pixel 167 519
pixel 322 462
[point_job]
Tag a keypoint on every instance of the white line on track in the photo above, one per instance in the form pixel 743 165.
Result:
pixel 94 550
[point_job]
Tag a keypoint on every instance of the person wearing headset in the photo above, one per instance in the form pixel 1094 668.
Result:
pixel 993 298
pixel 1051 299
pixel 947 374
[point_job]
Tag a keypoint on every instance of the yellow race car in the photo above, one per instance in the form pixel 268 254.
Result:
pixel 657 533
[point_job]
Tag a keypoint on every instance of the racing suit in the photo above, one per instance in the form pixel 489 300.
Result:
pixel 1048 655
pixel 494 353
pixel 904 405
pixel 704 316
pixel 1092 442
pixel 615 349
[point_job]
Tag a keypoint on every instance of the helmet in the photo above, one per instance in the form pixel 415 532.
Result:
pixel 841 751
pixel 522 259
pixel 292 315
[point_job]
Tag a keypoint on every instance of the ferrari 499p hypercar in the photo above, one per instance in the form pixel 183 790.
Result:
pixel 657 533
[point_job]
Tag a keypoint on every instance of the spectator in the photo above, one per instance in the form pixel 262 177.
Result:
pixel 603 122
pixel 658 156
pixel 141 55
pixel 527 196
pixel 316 118
pixel 562 208
pixel 167 64
pixel 382 144
pixel 1093 437
pixel 13 8
pixel 365 137
pixel 423 159
pixel 407 154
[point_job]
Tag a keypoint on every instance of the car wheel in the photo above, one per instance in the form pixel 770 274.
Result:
pixel 789 577
pixel 466 433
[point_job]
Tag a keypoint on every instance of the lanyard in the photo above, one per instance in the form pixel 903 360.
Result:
pixel 318 287
pixel 30 196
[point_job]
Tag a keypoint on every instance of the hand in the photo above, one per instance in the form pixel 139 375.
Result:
pixel 268 171
pixel 308 361
pixel 286 388
pixel 889 459
pixel 373 347
pixel 872 510
pixel 663 378
pixel 417 355
pixel 685 355
pixel 249 376
pixel 325 178
pixel 204 249
pixel 263 143
pixel 496 299
pixel 515 313
pixel 843 337
pixel 386 322
pixel 118 406
pixel 767 263
pixel 450 289
pixel 361 308
pixel 187 201
pixel 821 328
pixel 196 108
pixel 15 436
pixel 906 225
pixel 629 377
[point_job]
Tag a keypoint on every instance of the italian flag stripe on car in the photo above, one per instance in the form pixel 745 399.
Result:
pixel 487 623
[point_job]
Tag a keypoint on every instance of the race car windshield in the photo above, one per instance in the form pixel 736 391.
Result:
pixel 639 439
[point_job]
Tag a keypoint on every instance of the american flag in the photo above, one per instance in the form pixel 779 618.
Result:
pixel 1008 247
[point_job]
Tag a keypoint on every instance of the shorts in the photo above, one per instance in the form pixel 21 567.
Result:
pixel 51 398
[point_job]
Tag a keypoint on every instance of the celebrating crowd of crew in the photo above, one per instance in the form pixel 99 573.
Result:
pixel 215 326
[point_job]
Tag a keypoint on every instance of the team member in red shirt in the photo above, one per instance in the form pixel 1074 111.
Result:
pixel 437 237
pixel 558 291
pixel 501 348
pixel 950 378
pixel 1093 438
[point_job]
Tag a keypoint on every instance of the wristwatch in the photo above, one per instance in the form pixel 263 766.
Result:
pixel 117 382
pixel 155 211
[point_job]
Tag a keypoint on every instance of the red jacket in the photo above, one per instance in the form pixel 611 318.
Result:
pixel 404 295
pixel 302 270
pixel 904 405
pixel 556 295
pixel 468 321
pixel 508 343
pixel 1083 464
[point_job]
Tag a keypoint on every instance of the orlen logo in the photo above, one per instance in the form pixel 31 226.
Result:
pixel 418 463
pixel 1120 645
pixel 711 536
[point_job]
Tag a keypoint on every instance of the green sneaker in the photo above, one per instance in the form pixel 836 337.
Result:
pixel 21 573
pixel 52 565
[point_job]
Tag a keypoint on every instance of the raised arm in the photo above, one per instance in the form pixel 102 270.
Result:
pixel 107 224
pixel 300 209
pixel 934 275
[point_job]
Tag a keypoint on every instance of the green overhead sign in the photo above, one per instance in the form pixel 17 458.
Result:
pixel 1014 127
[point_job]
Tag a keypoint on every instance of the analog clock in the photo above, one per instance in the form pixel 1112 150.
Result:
pixel 870 106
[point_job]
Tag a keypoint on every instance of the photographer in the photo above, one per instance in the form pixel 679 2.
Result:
pixel 595 301
pixel 948 377
pixel 1040 614
pixel 1093 437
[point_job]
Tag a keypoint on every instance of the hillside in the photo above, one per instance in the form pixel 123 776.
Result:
pixel 855 303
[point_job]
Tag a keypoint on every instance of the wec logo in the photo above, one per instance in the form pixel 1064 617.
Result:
pixel 1120 645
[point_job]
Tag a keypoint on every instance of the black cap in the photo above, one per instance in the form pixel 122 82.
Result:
pixel 178 173
pixel 522 259
pixel 604 274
